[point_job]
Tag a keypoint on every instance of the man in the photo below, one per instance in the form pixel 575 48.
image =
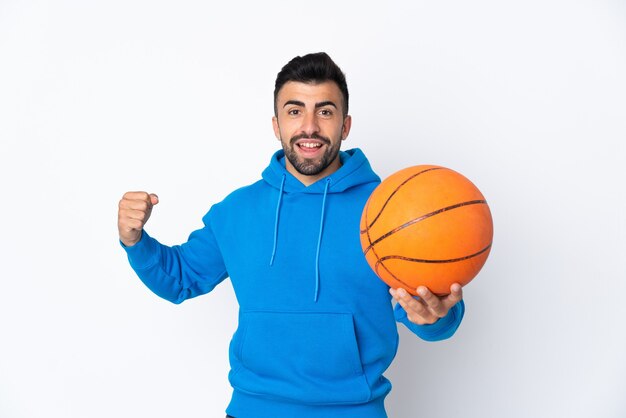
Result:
pixel 316 327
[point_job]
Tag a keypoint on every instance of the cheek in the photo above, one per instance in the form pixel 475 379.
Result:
pixel 336 131
pixel 286 129
pixel 282 135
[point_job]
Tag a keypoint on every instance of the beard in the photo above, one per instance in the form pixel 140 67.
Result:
pixel 311 166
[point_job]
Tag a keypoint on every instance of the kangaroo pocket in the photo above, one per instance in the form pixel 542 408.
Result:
pixel 304 357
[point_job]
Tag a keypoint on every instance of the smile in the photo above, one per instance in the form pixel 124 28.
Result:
pixel 309 145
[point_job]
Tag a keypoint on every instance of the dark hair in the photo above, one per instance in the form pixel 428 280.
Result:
pixel 312 68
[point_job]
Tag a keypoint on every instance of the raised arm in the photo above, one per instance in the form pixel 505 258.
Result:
pixel 174 273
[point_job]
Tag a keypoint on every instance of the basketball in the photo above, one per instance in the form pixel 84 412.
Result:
pixel 426 225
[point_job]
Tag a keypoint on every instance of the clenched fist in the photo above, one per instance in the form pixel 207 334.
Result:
pixel 134 211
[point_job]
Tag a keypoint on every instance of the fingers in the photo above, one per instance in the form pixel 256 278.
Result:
pixel 135 198
pixel 416 310
pixel 441 305
pixel 428 308
pixel 432 302
pixel 134 211
pixel 136 204
pixel 456 294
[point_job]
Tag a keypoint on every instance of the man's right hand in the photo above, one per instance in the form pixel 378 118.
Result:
pixel 134 211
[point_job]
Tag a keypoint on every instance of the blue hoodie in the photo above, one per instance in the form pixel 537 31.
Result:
pixel 316 326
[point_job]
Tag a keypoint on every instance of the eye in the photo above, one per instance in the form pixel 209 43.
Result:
pixel 326 112
pixel 293 112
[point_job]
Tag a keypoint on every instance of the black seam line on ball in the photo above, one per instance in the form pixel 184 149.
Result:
pixel 420 260
pixel 421 218
pixel 396 190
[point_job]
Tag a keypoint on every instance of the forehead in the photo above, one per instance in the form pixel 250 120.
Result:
pixel 309 92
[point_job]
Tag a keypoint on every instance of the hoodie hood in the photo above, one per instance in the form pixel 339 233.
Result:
pixel 355 170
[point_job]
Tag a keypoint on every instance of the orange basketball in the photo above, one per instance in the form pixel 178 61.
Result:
pixel 426 225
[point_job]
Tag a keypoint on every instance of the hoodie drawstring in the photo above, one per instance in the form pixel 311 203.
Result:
pixel 319 243
pixel 280 198
pixel 319 237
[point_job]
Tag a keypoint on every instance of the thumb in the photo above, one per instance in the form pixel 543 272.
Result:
pixel 154 199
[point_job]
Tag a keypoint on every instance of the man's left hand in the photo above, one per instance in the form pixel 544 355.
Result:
pixel 429 307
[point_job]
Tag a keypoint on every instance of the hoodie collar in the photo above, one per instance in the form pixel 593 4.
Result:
pixel 354 170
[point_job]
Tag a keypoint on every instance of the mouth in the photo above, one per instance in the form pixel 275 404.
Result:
pixel 309 147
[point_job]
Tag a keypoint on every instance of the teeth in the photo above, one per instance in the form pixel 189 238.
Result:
pixel 310 145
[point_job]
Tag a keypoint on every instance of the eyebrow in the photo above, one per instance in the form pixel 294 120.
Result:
pixel 317 105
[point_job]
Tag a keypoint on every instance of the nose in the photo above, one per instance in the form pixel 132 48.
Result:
pixel 309 124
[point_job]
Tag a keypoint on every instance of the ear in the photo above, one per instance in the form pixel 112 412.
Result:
pixel 276 127
pixel 347 124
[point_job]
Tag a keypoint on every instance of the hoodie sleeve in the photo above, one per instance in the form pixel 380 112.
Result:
pixel 182 271
pixel 442 329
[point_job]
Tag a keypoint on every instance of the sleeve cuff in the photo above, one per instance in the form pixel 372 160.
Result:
pixel 143 254
pixel 442 329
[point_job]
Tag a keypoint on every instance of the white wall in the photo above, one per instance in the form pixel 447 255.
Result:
pixel 527 99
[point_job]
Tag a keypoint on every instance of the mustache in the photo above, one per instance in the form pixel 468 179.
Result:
pixel 312 136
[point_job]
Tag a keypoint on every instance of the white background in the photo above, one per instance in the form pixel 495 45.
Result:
pixel 527 99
